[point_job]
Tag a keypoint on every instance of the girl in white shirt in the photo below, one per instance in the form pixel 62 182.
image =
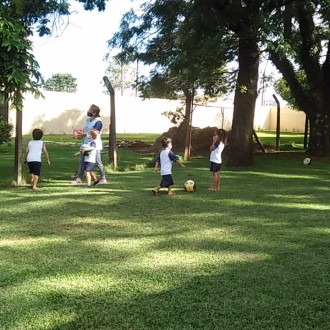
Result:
pixel 216 148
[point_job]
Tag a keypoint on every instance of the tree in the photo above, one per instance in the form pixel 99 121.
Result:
pixel 19 71
pixel 61 82
pixel 43 14
pixel 299 48
pixel 122 76
pixel 18 74
pixel 160 37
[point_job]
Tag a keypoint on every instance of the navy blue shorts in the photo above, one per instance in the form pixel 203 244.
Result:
pixel 89 166
pixel 34 168
pixel 215 167
pixel 166 181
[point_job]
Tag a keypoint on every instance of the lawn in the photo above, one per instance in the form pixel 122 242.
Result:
pixel 254 255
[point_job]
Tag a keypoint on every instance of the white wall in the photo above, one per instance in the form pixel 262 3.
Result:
pixel 62 113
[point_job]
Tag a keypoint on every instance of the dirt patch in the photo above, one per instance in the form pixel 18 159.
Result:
pixel 201 139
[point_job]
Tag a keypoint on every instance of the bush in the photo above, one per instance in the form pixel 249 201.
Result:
pixel 5 131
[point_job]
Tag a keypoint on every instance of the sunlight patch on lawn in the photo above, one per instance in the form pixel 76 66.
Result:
pixel 123 245
pixel 320 230
pixel 77 283
pixel 283 176
pixel 196 260
pixel 293 204
pixel 31 241
pixel 46 320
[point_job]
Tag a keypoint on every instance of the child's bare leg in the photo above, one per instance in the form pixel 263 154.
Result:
pixel 155 190
pixel 93 176
pixel 88 178
pixel 169 191
pixel 31 179
pixel 215 183
pixel 35 182
pixel 217 180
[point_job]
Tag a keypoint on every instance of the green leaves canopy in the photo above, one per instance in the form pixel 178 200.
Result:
pixel 19 71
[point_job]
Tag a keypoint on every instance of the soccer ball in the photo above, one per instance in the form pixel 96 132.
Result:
pixel 189 186
pixel 307 161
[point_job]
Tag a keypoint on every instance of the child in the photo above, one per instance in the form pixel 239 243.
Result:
pixel 216 148
pixel 165 159
pixel 89 153
pixel 32 157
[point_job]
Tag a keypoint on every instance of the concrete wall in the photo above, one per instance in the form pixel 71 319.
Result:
pixel 62 113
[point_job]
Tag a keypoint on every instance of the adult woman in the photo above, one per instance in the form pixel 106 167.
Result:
pixel 93 122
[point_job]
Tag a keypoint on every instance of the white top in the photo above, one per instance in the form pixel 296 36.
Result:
pixel 90 123
pixel 166 158
pixel 35 150
pixel 215 155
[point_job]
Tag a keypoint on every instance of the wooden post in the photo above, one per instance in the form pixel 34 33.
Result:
pixel 278 123
pixel 112 154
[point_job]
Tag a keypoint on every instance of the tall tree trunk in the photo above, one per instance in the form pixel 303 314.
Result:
pixel 187 123
pixel 18 148
pixel 241 142
pixel 319 135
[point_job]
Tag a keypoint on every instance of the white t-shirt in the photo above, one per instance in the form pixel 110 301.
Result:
pixel 90 123
pixel 165 159
pixel 35 150
pixel 215 155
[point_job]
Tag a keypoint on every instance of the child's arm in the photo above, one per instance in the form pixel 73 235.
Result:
pixel 215 143
pixel 26 153
pixel 156 167
pixel 44 148
pixel 180 163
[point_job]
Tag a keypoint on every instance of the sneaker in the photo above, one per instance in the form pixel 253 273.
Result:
pixel 102 181
pixel 155 192
pixel 96 182
pixel 76 181
pixel 88 186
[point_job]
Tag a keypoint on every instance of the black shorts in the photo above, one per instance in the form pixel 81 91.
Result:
pixel 89 166
pixel 34 168
pixel 166 181
pixel 215 167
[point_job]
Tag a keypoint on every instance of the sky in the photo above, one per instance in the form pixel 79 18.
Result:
pixel 81 47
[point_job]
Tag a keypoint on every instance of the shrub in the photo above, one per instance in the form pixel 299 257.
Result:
pixel 5 131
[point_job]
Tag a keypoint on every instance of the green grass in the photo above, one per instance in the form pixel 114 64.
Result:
pixel 289 141
pixel 254 255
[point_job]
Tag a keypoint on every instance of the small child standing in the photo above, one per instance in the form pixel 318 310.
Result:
pixel 32 157
pixel 165 160
pixel 216 148
pixel 89 152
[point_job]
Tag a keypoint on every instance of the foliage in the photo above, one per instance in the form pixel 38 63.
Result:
pixel 44 14
pixel 61 82
pixel 18 68
pixel 121 75
pixel 5 131
pixel 159 36
pixel 83 260
pixel 283 89
pixel 299 47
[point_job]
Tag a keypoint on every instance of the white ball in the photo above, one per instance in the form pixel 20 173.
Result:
pixel 307 161
pixel 189 186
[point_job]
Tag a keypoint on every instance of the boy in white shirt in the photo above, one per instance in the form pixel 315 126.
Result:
pixel 165 160
pixel 32 157
pixel 88 150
